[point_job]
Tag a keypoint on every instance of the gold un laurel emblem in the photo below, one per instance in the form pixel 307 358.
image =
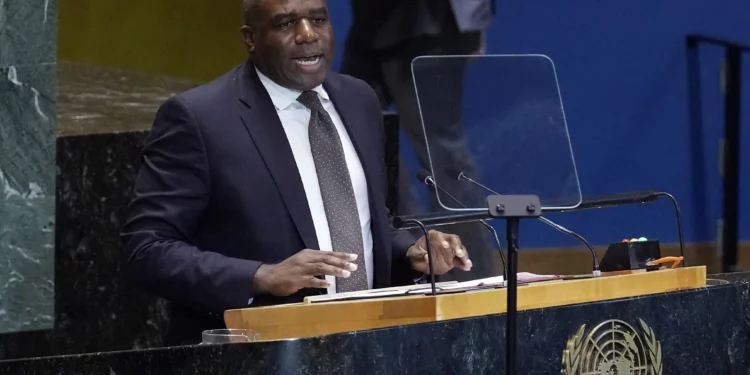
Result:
pixel 613 347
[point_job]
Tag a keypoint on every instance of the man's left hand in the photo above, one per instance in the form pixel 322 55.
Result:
pixel 447 252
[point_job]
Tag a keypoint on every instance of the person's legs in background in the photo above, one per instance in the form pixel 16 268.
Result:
pixel 447 142
pixel 389 73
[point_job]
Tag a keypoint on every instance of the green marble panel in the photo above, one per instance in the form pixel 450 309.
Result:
pixel 28 32
pixel 27 196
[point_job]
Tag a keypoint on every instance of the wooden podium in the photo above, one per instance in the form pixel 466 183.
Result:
pixel 322 318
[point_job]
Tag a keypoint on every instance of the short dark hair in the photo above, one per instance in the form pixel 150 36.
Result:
pixel 248 8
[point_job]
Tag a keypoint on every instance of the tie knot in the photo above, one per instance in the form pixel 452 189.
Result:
pixel 310 100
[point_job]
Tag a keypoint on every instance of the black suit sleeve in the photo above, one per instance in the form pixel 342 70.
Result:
pixel 401 271
pixel 171 193
pixel 401 240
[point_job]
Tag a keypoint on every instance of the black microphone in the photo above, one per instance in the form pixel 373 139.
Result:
pixel 596 273
pixel 424 177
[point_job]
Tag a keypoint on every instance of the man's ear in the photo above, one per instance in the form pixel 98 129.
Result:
pixel 247 37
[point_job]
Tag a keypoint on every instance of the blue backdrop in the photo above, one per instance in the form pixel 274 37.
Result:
pixel 622 73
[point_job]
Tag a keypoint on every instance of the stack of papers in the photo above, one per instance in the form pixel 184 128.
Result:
pixel 411 290
pixel 523 278
pixel 528 277
pixel 487 283
pixel 373 293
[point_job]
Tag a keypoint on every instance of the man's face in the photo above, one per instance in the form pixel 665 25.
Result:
pixel 291 41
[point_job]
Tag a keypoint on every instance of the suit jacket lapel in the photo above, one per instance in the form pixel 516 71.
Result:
pixel 355 121
pixel 263 124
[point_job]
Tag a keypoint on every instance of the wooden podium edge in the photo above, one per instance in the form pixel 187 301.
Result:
pixel 306 320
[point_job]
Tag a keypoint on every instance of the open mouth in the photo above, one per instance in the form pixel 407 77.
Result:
pixel 309 60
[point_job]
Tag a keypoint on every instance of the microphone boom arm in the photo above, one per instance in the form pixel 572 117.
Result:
pixel 425 178
pixel 595 258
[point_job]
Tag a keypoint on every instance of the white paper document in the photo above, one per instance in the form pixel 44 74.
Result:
pixel 419 289
pixel 486 283
pixel 523 278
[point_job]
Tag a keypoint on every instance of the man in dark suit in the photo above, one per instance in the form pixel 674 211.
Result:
pixel 385 37
pixel 243 176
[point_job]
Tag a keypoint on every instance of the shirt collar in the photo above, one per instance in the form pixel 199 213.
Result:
pixel 283 97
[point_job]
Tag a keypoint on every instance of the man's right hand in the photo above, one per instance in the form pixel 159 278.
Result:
pixel 300 271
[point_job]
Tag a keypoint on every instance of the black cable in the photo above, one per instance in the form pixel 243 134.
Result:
pixel 569 232
pixel 429 252
pixel 424 177
pixel 596 273
pixel 679 222
pixel 499 247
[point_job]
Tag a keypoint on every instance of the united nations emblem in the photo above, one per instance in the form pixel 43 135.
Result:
pixel 613 347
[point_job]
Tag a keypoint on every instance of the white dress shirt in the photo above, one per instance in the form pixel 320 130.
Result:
pixel 295 119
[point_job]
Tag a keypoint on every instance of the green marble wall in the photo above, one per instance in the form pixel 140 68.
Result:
pixel 28 70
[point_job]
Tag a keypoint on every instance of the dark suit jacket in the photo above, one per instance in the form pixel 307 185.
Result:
pixel 218 194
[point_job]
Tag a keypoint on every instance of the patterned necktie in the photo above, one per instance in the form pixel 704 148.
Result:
pixel 336 189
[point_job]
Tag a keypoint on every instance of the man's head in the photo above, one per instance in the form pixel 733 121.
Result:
pixel 290 41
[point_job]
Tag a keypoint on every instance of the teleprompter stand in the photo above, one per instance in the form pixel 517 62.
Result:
pixel 512 208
